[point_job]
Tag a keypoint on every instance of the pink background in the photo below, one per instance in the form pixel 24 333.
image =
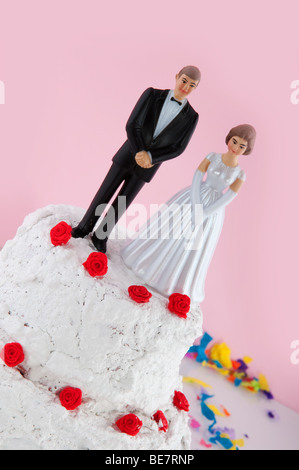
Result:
pixel 73 70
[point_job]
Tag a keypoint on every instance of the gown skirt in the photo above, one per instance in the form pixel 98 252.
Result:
pixel 172 255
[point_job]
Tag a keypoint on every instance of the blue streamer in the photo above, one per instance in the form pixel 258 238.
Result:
pixel 200 349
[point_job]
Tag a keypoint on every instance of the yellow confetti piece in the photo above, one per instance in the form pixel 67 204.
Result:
pixel 247 360
pixel 221 353
pixel 215 410
pixel 213 366
pixel 238 442
pixel 196 381
pixel 263 383
pixel 223 371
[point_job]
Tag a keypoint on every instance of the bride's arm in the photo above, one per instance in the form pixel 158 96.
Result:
pixel 195 189
pixel 197 180
pixel 224 200
pixel 204 165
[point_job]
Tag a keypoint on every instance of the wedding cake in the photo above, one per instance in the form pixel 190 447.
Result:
pixel 89 359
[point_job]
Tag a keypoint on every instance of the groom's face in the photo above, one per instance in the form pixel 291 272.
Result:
pixel 184 86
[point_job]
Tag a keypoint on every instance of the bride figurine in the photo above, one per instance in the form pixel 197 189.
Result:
pixel 179 264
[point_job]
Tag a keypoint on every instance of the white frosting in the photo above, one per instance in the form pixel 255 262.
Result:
pixel 87 333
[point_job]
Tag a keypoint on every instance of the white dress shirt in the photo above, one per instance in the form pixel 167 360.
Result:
pixel 169 111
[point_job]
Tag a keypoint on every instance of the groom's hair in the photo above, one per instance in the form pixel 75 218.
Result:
pixel 192 72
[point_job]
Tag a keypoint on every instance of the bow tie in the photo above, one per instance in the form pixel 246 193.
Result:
pixel 173 99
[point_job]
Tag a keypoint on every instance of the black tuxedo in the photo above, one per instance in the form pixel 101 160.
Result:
pixel 140 128
pixel 140 131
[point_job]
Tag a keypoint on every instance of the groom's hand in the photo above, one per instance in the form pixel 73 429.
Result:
pixel 143 159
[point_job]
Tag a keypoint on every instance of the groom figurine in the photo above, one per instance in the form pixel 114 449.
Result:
pixel 159 129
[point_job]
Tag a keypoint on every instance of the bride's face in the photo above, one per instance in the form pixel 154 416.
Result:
pixel 237 146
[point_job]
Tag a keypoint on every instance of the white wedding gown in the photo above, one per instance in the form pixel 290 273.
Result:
pixel 158 254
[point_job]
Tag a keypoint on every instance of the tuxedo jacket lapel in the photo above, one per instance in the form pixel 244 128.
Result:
pixel 179 118
pixel 157 108
pixel 153 115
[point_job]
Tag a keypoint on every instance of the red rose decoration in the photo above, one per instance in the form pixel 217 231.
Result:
pixel 61 234
pixel 12 354
pixel 180 401
pixel 179 304
pixel 160 419
pixel 96 264
pixel 140 294
pixel 70 398
pixel 129 424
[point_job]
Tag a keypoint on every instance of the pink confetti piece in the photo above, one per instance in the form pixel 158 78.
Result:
pixel 194 424
pixel 205 444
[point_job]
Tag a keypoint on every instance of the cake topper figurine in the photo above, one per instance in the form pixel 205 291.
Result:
pixel 162 260
pixel 159 129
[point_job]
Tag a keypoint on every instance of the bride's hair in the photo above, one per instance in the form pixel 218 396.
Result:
pixel 246 132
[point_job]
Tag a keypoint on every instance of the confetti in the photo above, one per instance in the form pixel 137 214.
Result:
pixel 272 415
pixel 218 358
pixel 247 360
pixel 268 395
pixel 200 349
pixel 196 381
pixel 220 355
pixel 216 411
pixel 238 443
pixel 206 411
pixel 221 439
pixel 205 444
pixel 230 432
pixel 194 424
pixel 263 383
pixel 225 411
